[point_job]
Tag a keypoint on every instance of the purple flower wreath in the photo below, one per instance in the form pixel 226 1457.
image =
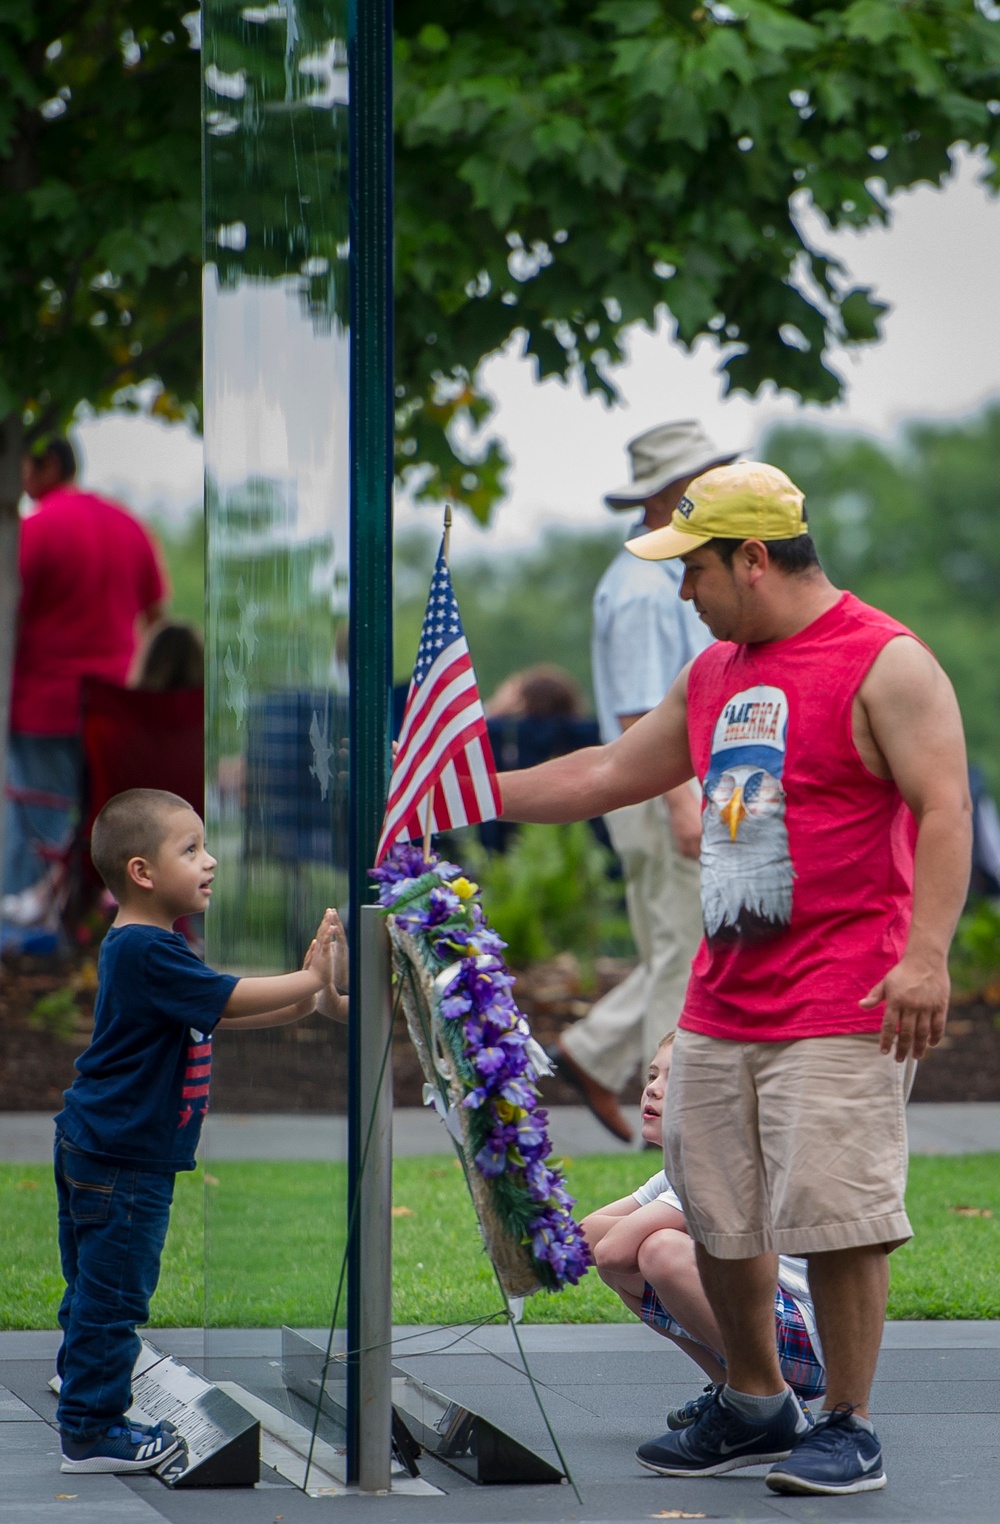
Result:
pixel 494 1055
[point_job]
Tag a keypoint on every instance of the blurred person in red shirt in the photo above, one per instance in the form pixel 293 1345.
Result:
pixel 91 582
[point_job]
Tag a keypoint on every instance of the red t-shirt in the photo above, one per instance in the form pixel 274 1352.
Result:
pixel 807 857
pixel 88 570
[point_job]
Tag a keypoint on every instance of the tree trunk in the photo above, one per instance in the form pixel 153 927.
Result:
pixel 11 450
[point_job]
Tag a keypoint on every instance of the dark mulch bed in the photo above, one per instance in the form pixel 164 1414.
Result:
pixel 965 1066
pixel 302 1068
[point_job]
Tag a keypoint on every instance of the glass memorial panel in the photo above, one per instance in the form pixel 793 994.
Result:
pixel 277 506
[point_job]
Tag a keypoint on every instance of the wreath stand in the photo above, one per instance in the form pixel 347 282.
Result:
pixel 399 1412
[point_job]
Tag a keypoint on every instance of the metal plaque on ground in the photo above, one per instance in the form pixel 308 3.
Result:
pixel 221 1440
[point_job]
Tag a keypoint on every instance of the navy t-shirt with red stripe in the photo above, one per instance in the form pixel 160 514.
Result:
pixel 141 1091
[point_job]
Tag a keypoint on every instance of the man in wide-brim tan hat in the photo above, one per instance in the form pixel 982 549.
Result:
pixel 643 635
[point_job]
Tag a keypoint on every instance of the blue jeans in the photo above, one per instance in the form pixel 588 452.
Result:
pixel 52 765
pixel 112 1226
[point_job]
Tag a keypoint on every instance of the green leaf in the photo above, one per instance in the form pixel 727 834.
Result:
pixel 723 53
pixel 548 353
pixel 125 253
pixel 566 134
pixel 836 94
pixel 776 31
pixel 875 21
pixel 496 187
pixel 692 302
pixel 54 198
pixel 922 68
pixel 860 315
pixel 629 17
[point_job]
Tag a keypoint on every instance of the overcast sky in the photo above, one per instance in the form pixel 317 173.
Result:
pixel 937 265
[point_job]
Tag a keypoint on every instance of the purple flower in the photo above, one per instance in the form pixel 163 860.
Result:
pixel 441 905
pixel 480 941
pixel 565 1251
pixel 490 1037
pixel 539 1180
pixel 489 1060
pixel 491 1159
pixel 530 1136
pixel 404 861
pixel 519 1094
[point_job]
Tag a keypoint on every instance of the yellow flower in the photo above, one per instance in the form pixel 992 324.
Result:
pixel 463 888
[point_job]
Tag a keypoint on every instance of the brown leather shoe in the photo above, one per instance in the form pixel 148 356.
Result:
pixel 601 1101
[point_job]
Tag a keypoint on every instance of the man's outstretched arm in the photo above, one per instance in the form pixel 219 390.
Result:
pixel 916 724
pixel 651 757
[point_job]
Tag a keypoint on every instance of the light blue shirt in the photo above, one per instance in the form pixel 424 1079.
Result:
pixel 642 636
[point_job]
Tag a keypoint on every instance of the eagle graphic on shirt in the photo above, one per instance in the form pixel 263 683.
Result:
pixel 746 870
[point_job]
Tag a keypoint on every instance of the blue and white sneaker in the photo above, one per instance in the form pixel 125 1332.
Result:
pixel 839 1455
pixel 123 1448
pixel 683 1417
pixel 720 1439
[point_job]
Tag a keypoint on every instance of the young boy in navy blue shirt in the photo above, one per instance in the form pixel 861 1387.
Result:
pixel 133 1114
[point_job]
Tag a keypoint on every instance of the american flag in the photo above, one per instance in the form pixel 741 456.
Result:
pixel 443 742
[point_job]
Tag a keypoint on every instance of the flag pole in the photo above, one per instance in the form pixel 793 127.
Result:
pixel 428 821
pixel 447 531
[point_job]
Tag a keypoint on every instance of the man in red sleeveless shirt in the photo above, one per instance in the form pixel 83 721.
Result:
pixel 835 862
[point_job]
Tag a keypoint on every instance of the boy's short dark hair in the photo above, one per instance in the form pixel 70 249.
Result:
pixel 793 556
pixel 132 824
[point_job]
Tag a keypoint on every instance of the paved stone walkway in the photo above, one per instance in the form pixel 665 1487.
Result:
pixel 936 1403
pixel 26 1136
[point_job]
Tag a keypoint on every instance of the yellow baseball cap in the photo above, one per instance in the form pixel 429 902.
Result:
pixel 748 501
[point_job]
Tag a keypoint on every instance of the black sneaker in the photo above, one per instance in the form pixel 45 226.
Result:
pixel 721 1439
pixel 684 1417
pixel 123 1448
pixel 838 1456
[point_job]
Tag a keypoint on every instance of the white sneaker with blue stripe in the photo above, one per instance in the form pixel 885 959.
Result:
pixel 121 1449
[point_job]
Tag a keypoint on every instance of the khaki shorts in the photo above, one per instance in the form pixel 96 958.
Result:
pixel 797 1147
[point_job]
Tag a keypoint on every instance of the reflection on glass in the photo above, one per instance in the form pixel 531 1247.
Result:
pixel 276 449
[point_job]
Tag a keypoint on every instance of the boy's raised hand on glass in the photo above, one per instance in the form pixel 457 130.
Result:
pixel 341 975
pixel 319 958
pixel 332 999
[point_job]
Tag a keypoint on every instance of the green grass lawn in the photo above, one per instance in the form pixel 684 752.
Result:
pixel 275 1232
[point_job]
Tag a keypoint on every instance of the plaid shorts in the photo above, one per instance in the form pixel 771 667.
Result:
pixel 800 1364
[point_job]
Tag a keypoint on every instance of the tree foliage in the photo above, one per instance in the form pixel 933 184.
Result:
pixel 100 207
pixel 565 168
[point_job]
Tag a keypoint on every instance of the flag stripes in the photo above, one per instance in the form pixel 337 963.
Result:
pixel 443 746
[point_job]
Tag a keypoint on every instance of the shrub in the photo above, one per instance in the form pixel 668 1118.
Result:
pixel 548 893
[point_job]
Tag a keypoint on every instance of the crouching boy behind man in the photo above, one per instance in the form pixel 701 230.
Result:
pixel 133 1114
pixel 644 1252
